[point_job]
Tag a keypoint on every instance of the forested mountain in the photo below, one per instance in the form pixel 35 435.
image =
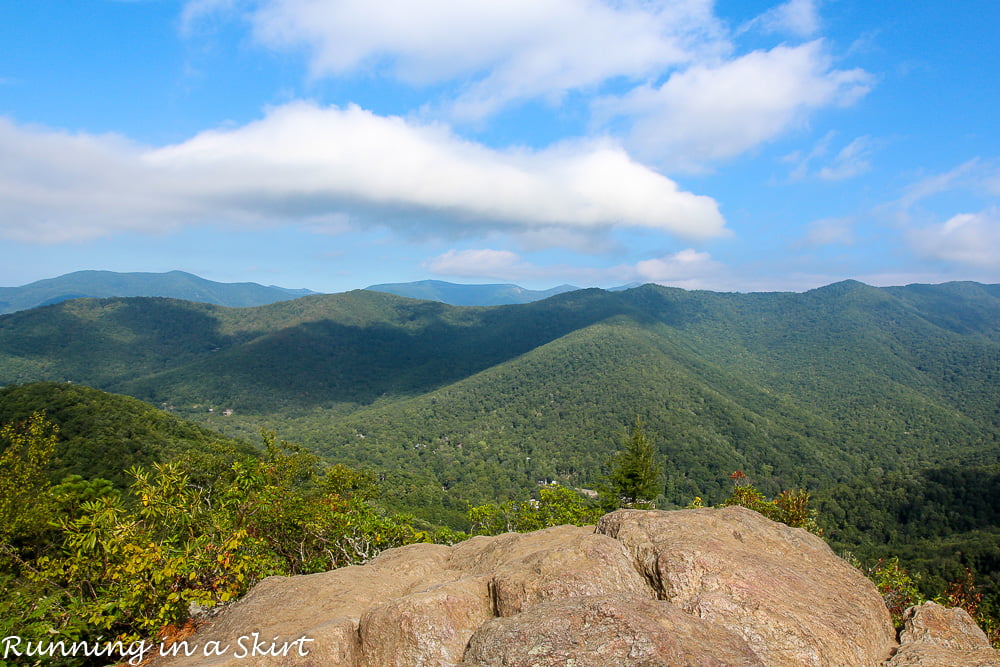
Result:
pixel 174 284
pixel 939 521
pixel 468 295
pixel 795 389
pixel 102 435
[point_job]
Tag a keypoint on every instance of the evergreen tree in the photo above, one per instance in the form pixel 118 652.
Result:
pixel 634 480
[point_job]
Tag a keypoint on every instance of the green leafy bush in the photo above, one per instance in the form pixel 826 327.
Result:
pixel 126 566
pixel 556 505
pixel 789 507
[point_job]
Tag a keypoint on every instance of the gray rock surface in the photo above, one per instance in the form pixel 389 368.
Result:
pixel 692 587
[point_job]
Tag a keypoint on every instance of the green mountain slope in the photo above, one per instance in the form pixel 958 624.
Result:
pixel 353 347
pixel 939 521
pixel 797 389
pixel 174 284
pixel 793 389
pixel 557 413
pixel 102 435
pixel 468 295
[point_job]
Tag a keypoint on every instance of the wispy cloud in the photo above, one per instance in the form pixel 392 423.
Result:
pixel 966 175
pixel 481 263
pixel 799 18
pixel 967 238
pixel 691 269
pixel 688 268
pixel 853 160
pixel 828 231
pixel 803 160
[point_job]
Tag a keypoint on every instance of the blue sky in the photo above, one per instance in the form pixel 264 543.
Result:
pixel 333 144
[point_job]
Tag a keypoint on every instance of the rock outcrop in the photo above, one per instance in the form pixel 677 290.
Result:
pixel 692 587
pixel 935 636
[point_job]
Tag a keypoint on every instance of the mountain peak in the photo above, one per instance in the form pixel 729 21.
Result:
pixel 173 284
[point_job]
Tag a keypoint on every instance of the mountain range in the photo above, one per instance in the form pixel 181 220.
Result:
pixel 189 287
pixel 469 403
pixel 174 284
pixel 469 295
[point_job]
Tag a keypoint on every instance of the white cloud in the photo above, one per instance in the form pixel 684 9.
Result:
pixel 311 165
pixel 502 50
pixel 476 58
pixel 992 183
pixel 684 267
pixel 852 160
pixel 803 162
pixel 829 231
pixel 479 263
pixel 967 238
pixel 713 112
pixel 931 198
pixel 508 266
pixel 966 175
pixel 796 17
pixel 688 268
pixel 59 187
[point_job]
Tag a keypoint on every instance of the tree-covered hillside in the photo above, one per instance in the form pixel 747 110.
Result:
pixel 103 435
pixel 484 402
pixel 941 522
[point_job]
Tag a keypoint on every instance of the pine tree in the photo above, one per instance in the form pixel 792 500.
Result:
pixel 635 473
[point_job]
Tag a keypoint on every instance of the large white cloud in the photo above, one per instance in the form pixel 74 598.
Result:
pixel 690 99
pixel 306 164
pixel 57 187
pixel 716 111
pixel 505 50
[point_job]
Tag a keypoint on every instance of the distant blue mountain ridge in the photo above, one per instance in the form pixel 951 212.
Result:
pixel 189 287
pixel 469 295
pixel 172 284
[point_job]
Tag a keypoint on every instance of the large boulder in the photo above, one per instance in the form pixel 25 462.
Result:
pixel 781 588
pixel 693 587
pixel 600 631
pixel 936 636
